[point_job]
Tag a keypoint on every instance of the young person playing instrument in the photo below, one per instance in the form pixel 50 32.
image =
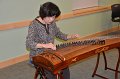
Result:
pixel 41 33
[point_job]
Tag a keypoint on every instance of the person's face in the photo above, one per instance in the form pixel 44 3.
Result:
pixel 49 20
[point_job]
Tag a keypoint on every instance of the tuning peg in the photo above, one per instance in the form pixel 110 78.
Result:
pixel 57 46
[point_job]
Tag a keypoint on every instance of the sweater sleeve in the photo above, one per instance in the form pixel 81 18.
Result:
pixel 30 39
pixel 60 34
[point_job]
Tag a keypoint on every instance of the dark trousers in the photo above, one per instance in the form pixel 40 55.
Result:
pixel 65 73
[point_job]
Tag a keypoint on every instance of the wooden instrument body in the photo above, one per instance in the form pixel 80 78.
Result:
pixel 62 58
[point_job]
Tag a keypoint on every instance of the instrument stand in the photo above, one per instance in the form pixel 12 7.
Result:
pixel 105 60
pixel 40 71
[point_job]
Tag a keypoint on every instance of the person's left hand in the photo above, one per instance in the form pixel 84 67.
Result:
pixel 72 36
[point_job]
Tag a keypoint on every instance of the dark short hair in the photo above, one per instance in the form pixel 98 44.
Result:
pixel 49 9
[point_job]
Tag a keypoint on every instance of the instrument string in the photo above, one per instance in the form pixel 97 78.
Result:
pixel 91 41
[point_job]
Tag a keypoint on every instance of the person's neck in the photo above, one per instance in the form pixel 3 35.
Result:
pixel 41 20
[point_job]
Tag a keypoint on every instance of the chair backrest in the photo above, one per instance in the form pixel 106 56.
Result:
pixel 115 12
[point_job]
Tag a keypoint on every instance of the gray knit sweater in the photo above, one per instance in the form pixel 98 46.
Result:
pixel 37 33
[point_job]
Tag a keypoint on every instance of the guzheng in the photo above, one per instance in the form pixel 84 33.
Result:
pixel 69 53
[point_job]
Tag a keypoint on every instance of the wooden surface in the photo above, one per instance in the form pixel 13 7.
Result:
pixel 73 54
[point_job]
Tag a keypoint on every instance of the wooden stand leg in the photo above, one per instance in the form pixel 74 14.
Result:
pixel 40 71
pixel 96 67
pixel 105 60
pixel 36 73
pixel 97 63
pixel 117 66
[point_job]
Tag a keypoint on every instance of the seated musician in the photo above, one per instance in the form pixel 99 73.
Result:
pixel 41 33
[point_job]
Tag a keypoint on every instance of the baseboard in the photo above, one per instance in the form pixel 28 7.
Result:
pixel 26 56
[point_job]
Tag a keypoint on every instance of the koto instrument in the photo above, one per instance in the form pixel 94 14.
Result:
pixel 71 52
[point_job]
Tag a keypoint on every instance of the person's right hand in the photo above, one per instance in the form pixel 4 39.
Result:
pixel 50 45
